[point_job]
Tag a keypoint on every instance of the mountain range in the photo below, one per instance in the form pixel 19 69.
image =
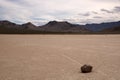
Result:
pixel 102 26
pixel 7 27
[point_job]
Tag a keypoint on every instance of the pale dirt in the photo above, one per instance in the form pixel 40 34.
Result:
pixel 59 57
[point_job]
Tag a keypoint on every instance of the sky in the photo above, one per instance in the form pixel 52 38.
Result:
pixel 40 12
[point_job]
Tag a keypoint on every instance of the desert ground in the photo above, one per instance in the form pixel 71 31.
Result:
pixel 59 57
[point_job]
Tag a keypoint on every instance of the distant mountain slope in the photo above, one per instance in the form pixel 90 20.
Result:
pixel 112 30
pixel 8 27
pixel 8 24
pixel 28 25
pixel 100 27
pixel 55 26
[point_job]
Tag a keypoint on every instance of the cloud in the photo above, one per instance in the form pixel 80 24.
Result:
pixel 94 12
pixel 84 14
pixel 11 11
pixel 42 11
pixel 114 10
pixel 107 11
pixel 97 17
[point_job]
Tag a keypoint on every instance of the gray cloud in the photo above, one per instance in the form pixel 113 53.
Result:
pixel 94 12
pixel 84 14
pixel 114 10
pixel 97 17
pixel 107 11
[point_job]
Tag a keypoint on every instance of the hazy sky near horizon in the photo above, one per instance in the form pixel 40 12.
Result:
pixel 74 11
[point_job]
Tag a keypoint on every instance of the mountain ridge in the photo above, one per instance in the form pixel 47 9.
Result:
pixel 101 26
pixel 56 27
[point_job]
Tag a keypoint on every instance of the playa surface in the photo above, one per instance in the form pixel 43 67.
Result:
pixel 59 57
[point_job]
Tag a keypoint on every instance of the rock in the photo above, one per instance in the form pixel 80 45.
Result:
pixel 86 68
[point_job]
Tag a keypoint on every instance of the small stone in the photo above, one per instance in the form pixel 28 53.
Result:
pixel 86 68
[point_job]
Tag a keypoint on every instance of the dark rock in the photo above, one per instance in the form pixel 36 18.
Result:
pixel 86 68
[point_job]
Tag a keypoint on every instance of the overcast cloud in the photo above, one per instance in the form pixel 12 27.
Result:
pixel 75 11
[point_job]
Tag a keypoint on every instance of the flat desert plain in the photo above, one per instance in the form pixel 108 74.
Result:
pixel 59 57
